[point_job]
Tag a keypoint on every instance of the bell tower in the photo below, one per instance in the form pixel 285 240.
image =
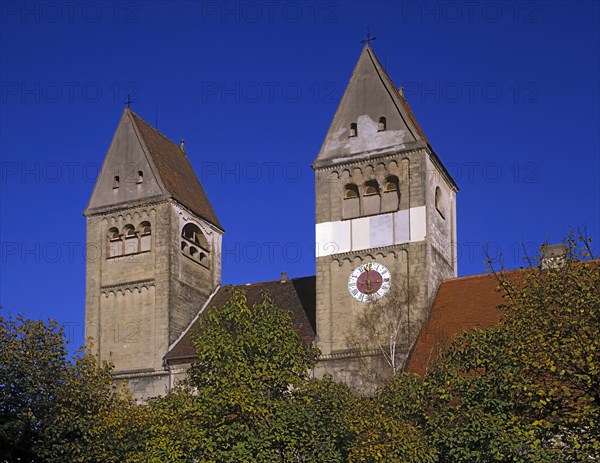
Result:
pixel 385 216
pixel 154 253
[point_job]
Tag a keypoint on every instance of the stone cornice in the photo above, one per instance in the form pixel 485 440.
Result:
pixel 360 254
pixel 130 285
pixel 351 353
pixel 368 156
pixel 125 207
pixel 139 373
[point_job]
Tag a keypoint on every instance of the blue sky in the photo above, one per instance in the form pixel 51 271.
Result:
pixel 507 93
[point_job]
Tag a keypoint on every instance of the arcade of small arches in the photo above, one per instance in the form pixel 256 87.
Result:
pixel 371 197
pixel 129 240
pixel 371 187
pixel 194 244
pixel 355 260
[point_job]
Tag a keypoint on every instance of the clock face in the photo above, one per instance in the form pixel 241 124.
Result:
pixel 369 282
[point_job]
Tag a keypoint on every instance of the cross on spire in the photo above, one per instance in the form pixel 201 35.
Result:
pixel 369 39
pixel 128 101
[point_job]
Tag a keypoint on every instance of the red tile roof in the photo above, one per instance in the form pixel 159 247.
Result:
pixel 175 171
pixel 297 295
pixel 461 304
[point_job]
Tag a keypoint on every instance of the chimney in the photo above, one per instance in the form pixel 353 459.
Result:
pixel 182 145
pixel 284 277
pixel 552 255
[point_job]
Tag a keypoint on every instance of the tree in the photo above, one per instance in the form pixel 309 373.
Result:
pixel 32 365
pixel 55 410
pixel 178 431
pixel 528 389
pixel 92 419
pixel 378 436
pixel 235 406
pixel 314 422
pixel 381 334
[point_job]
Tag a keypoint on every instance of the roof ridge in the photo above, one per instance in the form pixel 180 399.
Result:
pixel 483 275
pixel 268 281
pixel 155 129
pixel 175 170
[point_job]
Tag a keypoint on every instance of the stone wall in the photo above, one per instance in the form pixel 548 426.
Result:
pixel 137 304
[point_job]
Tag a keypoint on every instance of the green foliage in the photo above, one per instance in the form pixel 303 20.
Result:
pixel 314 422
pixel 528 389
pixel 178 430
pixel 243 394
pixel 53 410
pixel 248 355
pixel 380 437
pixel 32 365
pixel 91 420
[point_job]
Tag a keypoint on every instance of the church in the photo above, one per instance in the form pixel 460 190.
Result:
pixel 385 217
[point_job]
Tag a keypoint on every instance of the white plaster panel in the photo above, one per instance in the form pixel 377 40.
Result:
pixel 341 236
pixel 401 227
pixel 323 235
pixel 418 223
pixel 371 232
pixel 381 230
pixel 333 237
pixel 361 238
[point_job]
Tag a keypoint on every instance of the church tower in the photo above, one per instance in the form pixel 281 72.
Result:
pixel 385 217
pixel 154 253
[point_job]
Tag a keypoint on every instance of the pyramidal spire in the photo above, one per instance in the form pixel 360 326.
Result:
pixel 372 116
pixel 142 164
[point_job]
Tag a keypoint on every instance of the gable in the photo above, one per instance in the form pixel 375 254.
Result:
pixel 124 160
pixel 369 96
pixel 167 172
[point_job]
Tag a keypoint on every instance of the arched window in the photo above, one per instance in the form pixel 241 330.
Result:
pixel 115 244
pixel 351 203
pixel 382 124
pixel 391 184
pixel 350 191
pixel 140 176
pixel 116 182
pixel 438 201
pixel 145 236
pixel 113 234
pixel 391 194
pixel 145 228
pixel 371 187
pixel 372 198
pixel 194 243
pixel 353 130
pixel 131 239
pixel 192 233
